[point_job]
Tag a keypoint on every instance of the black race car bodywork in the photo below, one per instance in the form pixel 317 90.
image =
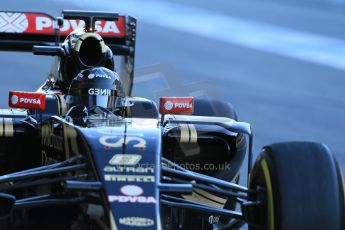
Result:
pixel 139 170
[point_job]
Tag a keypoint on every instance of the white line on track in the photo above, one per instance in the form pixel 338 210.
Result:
pixel 260 36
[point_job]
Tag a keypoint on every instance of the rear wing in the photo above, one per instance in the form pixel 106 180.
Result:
pixel 20 31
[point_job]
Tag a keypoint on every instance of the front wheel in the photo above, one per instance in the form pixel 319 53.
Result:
pixel 301 188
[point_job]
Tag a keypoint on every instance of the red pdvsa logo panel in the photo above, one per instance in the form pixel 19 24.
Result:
pixel 13 22
pixel 176 105
pixel 38 23
pixel 26 100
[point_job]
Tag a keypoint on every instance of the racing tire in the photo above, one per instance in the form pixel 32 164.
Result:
pixel 302 188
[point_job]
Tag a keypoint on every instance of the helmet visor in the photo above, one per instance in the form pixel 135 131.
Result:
pixel 90 101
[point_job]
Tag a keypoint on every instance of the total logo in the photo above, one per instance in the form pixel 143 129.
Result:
pixel 131 194
pixel 92 76
pixel 136 221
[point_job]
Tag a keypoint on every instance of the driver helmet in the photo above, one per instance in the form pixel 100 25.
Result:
pixel 84 50
pixel 96 87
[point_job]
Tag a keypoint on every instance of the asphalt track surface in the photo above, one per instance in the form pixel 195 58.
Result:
pixel 286 95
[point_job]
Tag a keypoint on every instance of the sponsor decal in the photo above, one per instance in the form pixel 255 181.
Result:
pixel 128 169
pixel 26 100
pixel 110 141
pixel 213 219
pixel 168 105
pixel 13 22
pixel 125 159
pixel 129 178
pixel 65 142
pixel 38 23
pixel 136 221
pixel 14 99
pixel 100 92
pixel 92 76
pixel 49 139
pixel 131 190
pixel 131 194
pixel 176 105
pixel 131 199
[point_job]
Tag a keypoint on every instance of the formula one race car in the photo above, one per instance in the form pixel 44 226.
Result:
pixel 83 153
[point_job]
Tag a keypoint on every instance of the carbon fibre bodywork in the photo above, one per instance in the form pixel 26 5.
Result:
pixel 104 142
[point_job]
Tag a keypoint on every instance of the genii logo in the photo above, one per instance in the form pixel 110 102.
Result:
pixel 99 92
